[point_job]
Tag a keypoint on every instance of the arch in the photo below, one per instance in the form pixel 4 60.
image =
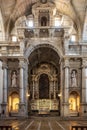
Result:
pixel 14 102
pixel 32 48
pixel 74 101
pixel 45 72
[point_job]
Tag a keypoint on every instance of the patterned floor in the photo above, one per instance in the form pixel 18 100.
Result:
pixel 41 123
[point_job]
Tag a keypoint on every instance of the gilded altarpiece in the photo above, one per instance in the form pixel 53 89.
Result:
pixel 49 101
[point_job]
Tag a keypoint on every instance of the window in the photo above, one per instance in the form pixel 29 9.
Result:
pixel 14 39
pixel 73 38
pixel 29 23
pixel 57 22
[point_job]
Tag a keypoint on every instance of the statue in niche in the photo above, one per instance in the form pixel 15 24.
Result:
pixel 14 79
pixel 74 78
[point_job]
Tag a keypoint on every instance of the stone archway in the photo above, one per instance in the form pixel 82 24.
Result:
pixel 14 102
pixel 40 44
pixel 74 103
pixel 44 65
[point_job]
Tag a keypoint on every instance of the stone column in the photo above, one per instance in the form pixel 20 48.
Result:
pixel 61 87
pixel 5 102
pixel 22 87
pixel 84 88
pixel 26 87
pixel 66 88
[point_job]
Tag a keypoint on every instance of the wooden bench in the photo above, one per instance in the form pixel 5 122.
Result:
pixel 5 127
pixel 79 128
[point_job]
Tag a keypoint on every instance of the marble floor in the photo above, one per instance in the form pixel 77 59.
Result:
pixel 41 123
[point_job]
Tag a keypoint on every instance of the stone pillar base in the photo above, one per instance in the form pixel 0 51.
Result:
pixel 83 110
pixel 66 109
pixel 4 110
pixel 22 109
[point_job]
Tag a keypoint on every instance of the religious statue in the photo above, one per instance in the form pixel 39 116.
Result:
pixel 14 79
pixel 73 79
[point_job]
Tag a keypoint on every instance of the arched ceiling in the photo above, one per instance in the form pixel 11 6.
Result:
pixel 43 55
pixel 12 9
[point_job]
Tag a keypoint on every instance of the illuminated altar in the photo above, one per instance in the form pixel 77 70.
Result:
pixel 44 106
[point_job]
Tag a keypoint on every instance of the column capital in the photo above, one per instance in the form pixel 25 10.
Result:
pixel 66 63
pixel 0 64
pixel 22 63
pixel 4 64
pixel 84 63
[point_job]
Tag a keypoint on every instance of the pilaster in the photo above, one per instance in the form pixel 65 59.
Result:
pixel 66 88
pixel 22 104
pixel 84 88
pixel 4 104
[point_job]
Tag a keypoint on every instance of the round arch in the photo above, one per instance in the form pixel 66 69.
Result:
pixel 44 59
pixel 45 72
pixel 32 48
pixel 74 101
pixel 13 102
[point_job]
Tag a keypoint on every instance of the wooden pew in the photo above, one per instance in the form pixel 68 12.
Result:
pixel 5 127
pixel 79 128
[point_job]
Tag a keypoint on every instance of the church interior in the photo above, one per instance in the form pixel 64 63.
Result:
pixel 43 58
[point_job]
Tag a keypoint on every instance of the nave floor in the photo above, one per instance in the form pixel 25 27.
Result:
pixel 41 123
